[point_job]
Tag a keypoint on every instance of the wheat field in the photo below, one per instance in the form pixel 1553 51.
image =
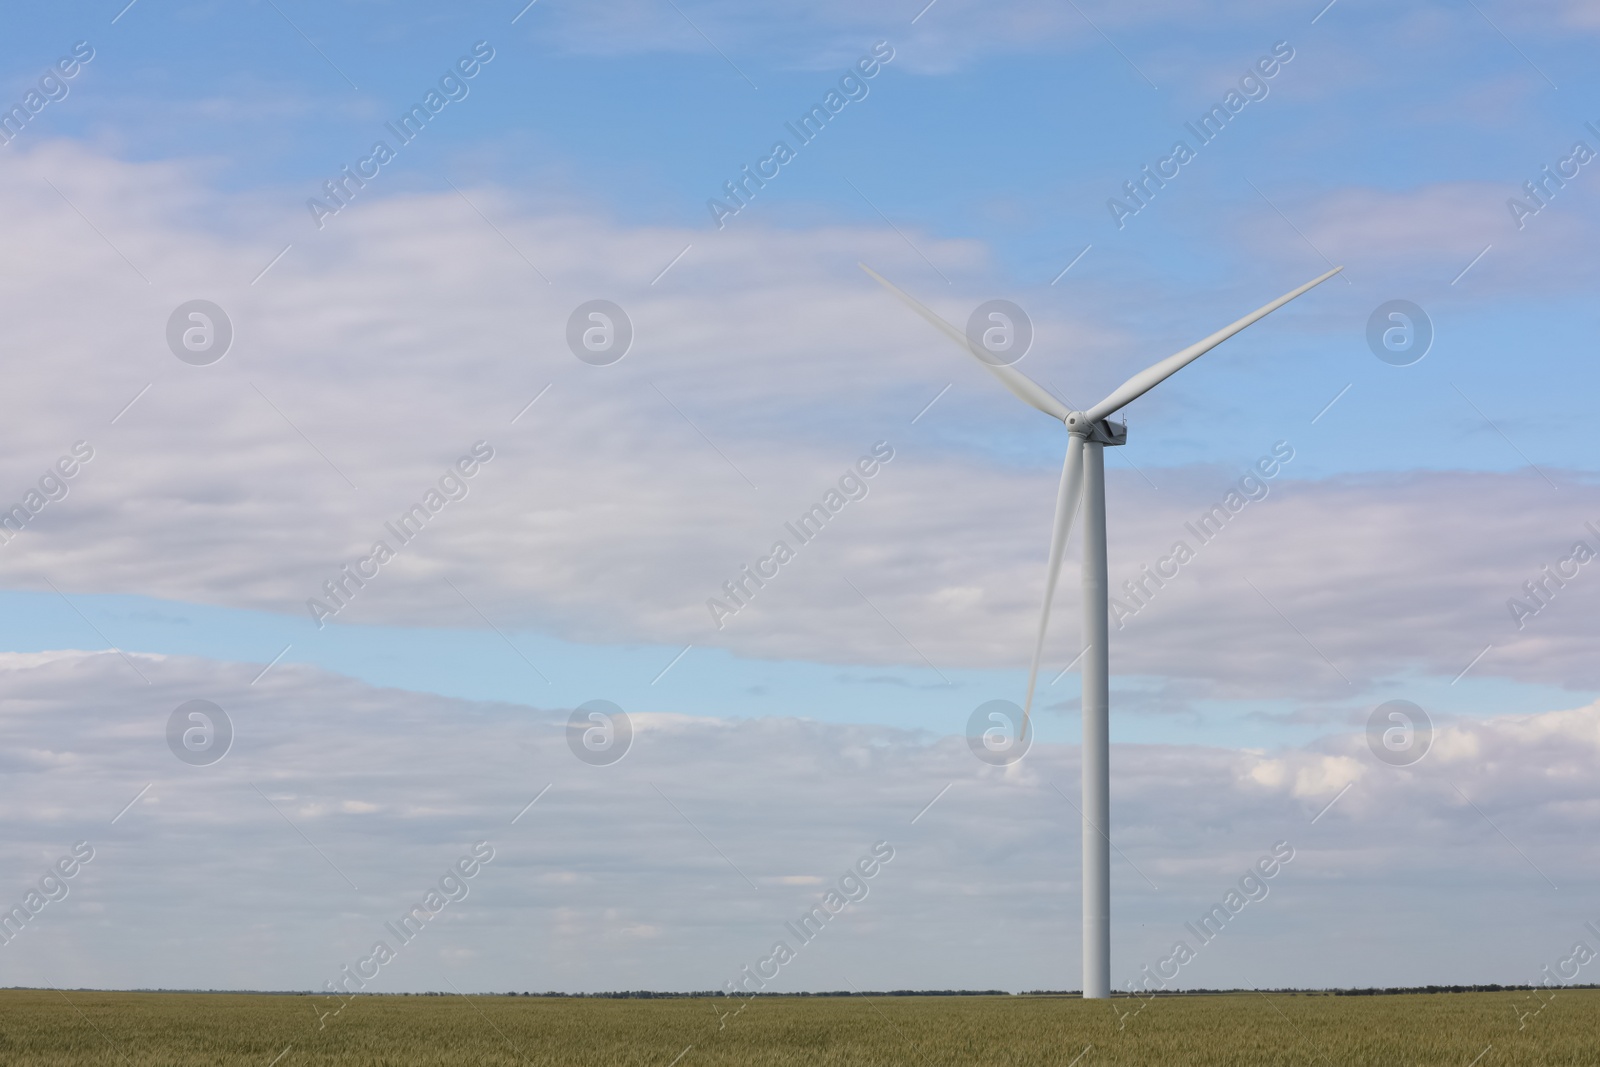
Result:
pixel 52 1028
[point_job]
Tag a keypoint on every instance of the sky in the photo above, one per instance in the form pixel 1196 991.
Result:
pixel 243 343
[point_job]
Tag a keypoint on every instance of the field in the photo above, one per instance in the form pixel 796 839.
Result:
pixel 55 1029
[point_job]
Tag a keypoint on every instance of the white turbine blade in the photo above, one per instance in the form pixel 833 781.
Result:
pixel 1150 377
pixel 1025 388
pixel 1066 508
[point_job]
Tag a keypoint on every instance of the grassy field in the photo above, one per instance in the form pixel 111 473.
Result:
pixel 53 1029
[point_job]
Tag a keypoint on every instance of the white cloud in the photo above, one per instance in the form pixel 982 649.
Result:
pixel 950 34
pixel 382 348
pixel 1421 237
pixel 634 875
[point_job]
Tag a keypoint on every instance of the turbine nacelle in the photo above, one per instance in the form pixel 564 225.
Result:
pixel 1101 432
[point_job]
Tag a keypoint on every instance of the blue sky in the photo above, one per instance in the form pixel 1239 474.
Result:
pixel 372 351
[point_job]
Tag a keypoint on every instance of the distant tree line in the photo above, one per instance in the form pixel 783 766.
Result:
pixel 651 994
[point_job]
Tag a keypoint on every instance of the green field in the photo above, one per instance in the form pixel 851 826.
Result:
pixel 54 1029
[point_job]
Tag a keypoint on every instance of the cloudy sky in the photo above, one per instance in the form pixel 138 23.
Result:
pixel 412 338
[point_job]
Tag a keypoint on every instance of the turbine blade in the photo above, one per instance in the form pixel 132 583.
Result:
pixel 1066 508
pixel 1025 388
pixel 1152 376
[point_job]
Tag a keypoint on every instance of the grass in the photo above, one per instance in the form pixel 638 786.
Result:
pixel 55 1029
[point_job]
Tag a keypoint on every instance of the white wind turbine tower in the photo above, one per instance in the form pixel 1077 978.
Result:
pixel 1084 474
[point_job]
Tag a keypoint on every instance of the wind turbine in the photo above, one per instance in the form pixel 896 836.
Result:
pixel 1083 475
